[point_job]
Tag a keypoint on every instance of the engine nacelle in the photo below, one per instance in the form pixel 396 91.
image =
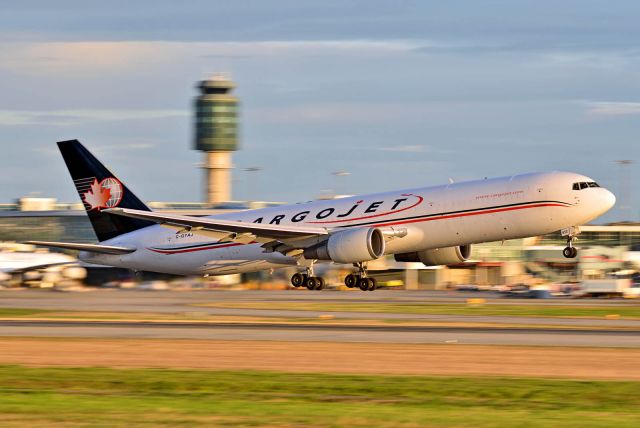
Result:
pixel 349 246
pixel 439 256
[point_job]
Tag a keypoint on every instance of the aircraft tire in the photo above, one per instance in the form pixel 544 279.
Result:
pixel 363 284
pixel 351 280
pixel 372 284
pixel 320 284
pixel 570 252
pixel 298 280
pixel 311 283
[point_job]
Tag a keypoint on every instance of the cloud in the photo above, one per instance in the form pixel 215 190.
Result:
pixel 51 151
pixel 613 108
pixel 46 58
pixel 77 117
pixel 275 47
pixel 324 113
pixel 417 148
pixel 78 57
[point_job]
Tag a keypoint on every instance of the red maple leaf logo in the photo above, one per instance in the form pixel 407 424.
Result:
pixel 97 196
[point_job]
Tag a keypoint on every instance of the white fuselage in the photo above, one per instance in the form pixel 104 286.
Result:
pixel 433 217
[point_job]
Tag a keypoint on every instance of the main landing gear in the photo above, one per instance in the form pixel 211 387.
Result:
pixel 307 280
pixel 360 279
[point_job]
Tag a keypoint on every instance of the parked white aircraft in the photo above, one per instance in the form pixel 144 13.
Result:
pixel 20 262
pixel 433 225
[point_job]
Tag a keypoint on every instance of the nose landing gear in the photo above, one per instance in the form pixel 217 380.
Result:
pixel 570 252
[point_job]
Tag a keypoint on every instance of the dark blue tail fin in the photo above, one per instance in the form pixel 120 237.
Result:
pixel 100 189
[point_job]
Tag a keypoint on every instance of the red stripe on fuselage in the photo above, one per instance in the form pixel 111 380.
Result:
pixel 444 217
pixel 418 220
pixel 189 250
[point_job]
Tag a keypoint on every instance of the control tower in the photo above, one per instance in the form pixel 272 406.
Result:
pixel 216 134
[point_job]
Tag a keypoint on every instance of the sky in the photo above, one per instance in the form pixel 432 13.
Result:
pixel 397 93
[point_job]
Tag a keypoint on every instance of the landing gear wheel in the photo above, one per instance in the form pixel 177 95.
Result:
pixel 570 252
pixel 298 279
pixel 311 283
pixel 314 283
pixel 372 284
pixel 363 284
pixel 351 280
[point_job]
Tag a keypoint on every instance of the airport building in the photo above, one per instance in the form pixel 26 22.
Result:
pixel 43 219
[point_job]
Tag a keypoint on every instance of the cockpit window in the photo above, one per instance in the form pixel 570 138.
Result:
pixel 584 185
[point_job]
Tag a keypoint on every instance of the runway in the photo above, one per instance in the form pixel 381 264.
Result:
pixel 264 315
pixel 307 332
pixel 171 302
pixel 123 328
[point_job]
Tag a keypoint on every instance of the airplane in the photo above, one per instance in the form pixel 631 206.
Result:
pixel 19 263
pixel 433 225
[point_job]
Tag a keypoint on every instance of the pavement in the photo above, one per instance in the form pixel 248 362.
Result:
pixel 267 324
pixel 319 333
pixel 173 302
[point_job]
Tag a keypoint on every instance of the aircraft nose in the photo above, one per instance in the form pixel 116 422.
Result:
pixel 608 200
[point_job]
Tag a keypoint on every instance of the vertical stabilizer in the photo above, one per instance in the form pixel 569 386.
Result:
pixel 100 189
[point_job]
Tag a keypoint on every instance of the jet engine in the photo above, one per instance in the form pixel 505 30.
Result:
pixel 349 246
pixel 439 256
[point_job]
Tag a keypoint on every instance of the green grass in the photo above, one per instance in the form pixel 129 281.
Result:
pixel 20 312
pixel 154 397
pixel 569 311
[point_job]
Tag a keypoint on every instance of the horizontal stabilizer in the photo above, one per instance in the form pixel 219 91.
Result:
pixel 259 230
pixel 94 248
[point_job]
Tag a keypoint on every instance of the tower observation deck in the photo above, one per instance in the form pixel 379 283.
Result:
pixel 216 134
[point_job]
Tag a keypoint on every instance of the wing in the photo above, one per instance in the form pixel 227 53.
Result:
pixel 36 267
pixel 228 229
pixel 94 248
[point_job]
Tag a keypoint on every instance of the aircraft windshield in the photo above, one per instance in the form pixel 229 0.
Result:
pixel 584 185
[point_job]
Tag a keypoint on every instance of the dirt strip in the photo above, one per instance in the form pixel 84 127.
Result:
pixel 364 358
